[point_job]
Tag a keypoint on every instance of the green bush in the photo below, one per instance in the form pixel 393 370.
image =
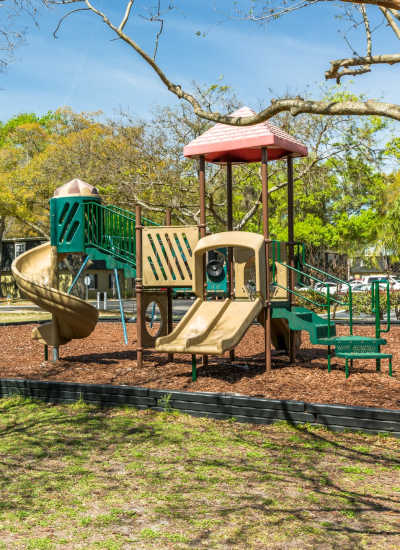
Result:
pixel 362 302
pixel 320 300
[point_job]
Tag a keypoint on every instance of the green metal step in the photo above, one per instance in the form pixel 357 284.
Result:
pixel 358 344
pixel 301 318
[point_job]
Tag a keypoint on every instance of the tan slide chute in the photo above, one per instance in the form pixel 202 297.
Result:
pixel 211 327
pixel 73 318
pixel 214 327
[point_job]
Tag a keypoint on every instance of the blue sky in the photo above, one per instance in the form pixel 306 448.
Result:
pixel 87 71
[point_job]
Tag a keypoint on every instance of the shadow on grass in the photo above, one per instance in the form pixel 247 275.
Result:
pixel 282 481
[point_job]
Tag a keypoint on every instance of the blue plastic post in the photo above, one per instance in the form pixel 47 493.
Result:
pixel 121 306
pixel 153 313
pixel 85 261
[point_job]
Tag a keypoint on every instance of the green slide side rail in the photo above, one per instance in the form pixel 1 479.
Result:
pixel 299 249
pixel 111 230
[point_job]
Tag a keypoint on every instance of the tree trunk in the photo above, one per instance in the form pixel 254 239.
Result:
pixel 2 229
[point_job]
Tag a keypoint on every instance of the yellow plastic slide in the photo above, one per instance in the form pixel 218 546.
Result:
pixel 211 327
pixel 72 317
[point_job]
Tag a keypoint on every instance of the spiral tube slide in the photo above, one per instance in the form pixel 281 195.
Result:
pixel 73 318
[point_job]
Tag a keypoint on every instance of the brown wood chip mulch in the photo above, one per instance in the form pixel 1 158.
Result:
pixel 103 358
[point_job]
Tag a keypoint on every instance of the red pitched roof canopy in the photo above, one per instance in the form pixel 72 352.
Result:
pixel 223 143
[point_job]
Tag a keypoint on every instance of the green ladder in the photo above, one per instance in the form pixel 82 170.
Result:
pixel 363 347
pixel 322 330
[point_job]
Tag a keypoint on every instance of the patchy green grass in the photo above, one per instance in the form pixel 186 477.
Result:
pixel 79 477
pixel 24 315
pixel 34 316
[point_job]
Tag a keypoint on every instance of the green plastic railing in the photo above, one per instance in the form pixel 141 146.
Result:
pixel 277 258
pixel 376 306
pixel 111 229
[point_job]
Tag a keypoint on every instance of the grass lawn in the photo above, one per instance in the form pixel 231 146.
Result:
pixel 35 316
pixel 80 477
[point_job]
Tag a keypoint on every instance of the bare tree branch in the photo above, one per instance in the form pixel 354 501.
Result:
pixel 391 21
pixel 284 9
pixel 367 29
pixel 64 17
pixel 391 4
pixel 126 15
pixel 295 106
pixel 362 62
pixel 159 33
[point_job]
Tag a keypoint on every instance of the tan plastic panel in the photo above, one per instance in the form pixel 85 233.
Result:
pixel 73 318
pixel 282 278
pixel 148 341
pixel 235 239
pixel 168 255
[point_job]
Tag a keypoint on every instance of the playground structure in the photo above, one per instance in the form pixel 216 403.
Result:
pixel 260 272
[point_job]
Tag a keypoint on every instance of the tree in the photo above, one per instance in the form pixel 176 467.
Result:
pixel 339 190
pixel 355 11
pixel 22 138
pixel 12 31
pixel 388 242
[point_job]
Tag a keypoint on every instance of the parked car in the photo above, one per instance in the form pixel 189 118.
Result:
pixel 359 287
pixel 394 283
pixel 322 288
pixel 356 285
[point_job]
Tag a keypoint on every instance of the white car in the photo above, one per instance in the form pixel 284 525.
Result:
pixel 357 285
pixel 394 284
pixel 333 288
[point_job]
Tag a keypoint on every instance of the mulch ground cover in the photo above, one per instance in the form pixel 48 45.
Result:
pixel 103 358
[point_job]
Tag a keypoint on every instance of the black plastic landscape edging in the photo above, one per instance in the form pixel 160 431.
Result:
pixel 213 405
pixel 177 318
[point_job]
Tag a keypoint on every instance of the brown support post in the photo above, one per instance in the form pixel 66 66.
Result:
pixel 168 221
pixel 139 287
pixel 290 201
pixel 202 191
pixel 54 284
pixel 229 227
pixel 202 225
pixel 267 312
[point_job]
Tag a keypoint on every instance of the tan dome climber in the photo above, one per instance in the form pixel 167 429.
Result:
pixel 76 187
